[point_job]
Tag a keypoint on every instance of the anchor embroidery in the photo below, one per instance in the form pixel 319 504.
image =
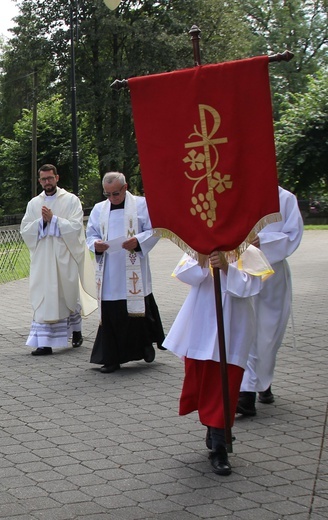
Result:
pixel 204 204
pixel 135 280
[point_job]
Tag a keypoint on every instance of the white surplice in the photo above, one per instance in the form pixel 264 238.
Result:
pixel 114 285
pixel 273 305
pixel 194 333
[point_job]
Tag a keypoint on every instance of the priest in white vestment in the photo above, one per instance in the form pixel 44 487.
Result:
pixel 61 282
pixel 194 337
pixel 120 234
pixel 273 305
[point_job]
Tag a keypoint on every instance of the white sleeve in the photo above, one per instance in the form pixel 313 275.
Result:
pixel 281 239
pixel 189 271
pixel 145 236
pixel 241 284
pixel 93 228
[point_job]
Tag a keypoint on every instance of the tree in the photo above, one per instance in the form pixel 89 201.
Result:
pixel 54 131
pixel 140 37
pixel 30 49
pixel 302 139
pixel 297 25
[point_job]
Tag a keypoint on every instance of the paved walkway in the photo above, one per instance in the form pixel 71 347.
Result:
pixel 77 444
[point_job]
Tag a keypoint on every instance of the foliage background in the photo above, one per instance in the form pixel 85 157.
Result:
pixel 142 37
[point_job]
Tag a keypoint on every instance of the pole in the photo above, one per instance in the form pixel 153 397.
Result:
pixel 75 153
pixel 223 359
pixel 112 4
pixel 195 37
pixel 34 161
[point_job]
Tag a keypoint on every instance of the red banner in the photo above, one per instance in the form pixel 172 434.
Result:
pixel 206 150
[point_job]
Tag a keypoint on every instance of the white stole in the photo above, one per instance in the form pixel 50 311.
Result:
pixel 134 284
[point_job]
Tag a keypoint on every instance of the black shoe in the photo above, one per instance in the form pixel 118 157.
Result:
pixel 246 404
pixel 108 369
pixel 267 396
pixel 219 461
pixel 42 351
pixel 149 354
pixel 77 339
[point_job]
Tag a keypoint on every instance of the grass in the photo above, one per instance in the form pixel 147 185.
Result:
pixel 318 227
pixel 21 264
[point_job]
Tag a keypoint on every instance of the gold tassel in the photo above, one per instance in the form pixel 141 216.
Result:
pixel 231 256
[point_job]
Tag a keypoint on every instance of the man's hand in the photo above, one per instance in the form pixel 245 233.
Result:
pixel 130 244
pixel 47 214
pixel 100 246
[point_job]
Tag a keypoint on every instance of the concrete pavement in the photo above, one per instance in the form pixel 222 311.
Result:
pixel 77 444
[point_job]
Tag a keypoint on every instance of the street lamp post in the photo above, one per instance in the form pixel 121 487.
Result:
pixel 111 4
pixel 75 152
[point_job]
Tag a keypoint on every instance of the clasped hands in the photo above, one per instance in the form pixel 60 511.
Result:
pixel 46 213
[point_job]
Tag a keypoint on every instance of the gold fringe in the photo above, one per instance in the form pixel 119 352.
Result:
pixel 166 233
pixel 231 256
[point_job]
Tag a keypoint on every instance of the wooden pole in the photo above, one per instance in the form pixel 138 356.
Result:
pixel 119 84
pixel 195 38
pixel 223 359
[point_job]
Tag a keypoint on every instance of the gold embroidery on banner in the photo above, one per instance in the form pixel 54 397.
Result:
pixel 204 204
pixel 135 280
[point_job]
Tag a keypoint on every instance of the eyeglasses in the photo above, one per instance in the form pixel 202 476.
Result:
pixel 108 194
pixel 47 179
